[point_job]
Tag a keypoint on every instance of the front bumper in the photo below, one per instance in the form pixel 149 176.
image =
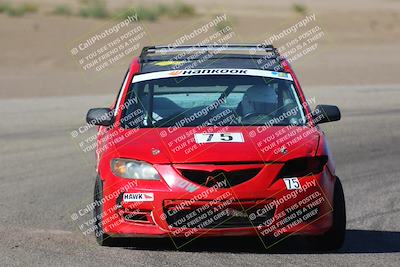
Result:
pixel 253 208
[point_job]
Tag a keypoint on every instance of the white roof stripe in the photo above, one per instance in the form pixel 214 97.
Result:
pixel 191 72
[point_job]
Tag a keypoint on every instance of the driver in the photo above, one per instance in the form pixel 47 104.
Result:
pixel 259 99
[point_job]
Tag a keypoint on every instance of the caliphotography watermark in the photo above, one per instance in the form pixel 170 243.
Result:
pixel 107 47
pixel 295 42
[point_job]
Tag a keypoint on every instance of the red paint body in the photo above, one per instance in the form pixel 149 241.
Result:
pixel 264 187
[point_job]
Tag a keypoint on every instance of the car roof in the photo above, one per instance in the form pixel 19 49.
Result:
pixel 162 58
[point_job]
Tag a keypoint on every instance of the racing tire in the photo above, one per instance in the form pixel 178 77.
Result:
pixel 334 238
pixel 102 238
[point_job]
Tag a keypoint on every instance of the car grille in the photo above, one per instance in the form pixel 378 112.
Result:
pixel 202 214
pixel 211 178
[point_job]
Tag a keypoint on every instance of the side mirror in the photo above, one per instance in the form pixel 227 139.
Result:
pixel 100 116
pixel 326 113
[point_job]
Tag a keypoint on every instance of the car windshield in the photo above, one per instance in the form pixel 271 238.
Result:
pixel 212 100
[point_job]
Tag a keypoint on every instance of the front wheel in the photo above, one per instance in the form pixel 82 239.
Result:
pixel 101 238
pixel 333 239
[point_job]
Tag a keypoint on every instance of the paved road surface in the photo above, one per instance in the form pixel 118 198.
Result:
pixel 45 177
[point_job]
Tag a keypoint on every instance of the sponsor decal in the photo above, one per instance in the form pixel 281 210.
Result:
pixel 190 72
pixel 280 74
pixel 138 197
pixel 175 73
pixel 155 151
pixel 208 71
pixel 219 138
pixel 168 63
pixel 283 150
pixel 188 186
pixel 235 213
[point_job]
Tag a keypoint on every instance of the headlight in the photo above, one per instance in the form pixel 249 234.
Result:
pixel 303 166
pixel 133 169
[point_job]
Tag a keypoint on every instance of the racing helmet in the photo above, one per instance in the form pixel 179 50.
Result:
pixel 260 98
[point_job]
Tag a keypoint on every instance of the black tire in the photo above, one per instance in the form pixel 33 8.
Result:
pixel 334 238
pixel 101 238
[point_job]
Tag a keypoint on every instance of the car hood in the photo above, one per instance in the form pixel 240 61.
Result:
pixel 178 145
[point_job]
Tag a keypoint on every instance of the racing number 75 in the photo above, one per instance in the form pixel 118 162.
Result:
pixel 292 183
pixel 222 137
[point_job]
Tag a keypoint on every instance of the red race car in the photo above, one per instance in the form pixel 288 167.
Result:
pixel 219 140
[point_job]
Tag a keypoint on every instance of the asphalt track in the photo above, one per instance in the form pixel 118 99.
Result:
pixel 45 177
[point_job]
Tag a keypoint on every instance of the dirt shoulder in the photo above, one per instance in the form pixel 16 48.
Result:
pixel 360 45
